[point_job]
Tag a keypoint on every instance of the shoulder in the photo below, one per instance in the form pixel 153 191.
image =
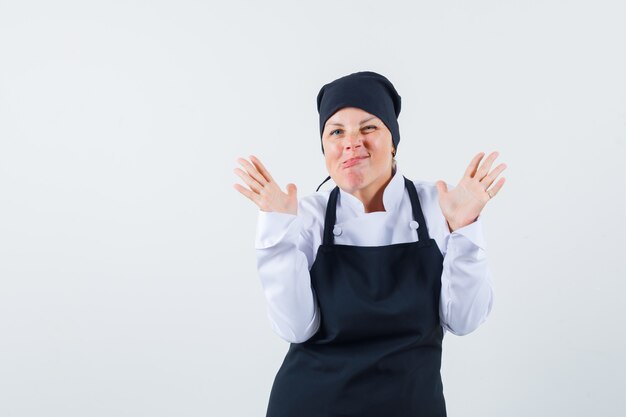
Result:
pixel 315 202
pixel 429 200
pixel 312 213
pixel 312 208
pixel 436 223
pixel 428 189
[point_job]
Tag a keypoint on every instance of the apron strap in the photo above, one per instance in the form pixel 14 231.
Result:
pixel 331 217
pixel 318 187
pixel 418 216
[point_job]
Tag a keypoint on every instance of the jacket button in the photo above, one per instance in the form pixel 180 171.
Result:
pixel 336 230
pixel 414 225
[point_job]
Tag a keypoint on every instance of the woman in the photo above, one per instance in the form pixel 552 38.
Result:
pixel 365 279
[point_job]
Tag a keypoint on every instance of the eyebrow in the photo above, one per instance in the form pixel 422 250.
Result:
pixel 362 121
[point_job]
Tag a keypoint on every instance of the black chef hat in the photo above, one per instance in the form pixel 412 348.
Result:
pixel 366 90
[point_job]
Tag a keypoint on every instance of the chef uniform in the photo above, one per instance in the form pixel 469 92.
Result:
pixel 366 329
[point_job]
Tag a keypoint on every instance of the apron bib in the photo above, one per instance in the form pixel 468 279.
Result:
pixel 377 352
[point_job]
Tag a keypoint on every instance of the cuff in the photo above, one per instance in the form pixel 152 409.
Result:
pixel 472 232
pixel 274 227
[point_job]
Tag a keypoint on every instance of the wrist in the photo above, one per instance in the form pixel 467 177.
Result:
pixel 453 225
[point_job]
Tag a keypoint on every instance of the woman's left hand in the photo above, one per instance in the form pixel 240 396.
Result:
pixel 462 205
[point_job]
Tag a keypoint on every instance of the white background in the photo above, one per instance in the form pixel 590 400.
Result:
pixel 128 279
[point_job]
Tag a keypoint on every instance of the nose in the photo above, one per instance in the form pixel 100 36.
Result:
pixel 353 141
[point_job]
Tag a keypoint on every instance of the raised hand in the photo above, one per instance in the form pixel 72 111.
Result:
pixel 462 205
pixel 264 191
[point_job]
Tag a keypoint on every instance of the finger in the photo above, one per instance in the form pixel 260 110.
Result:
pixel 489 179
pixel 253 184
pixel 486 166
pixel 494 190
pixel 252 171
pixel 471 169
pixel 252 196
pixel 261 168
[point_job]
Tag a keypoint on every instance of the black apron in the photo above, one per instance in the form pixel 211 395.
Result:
pixel 377 352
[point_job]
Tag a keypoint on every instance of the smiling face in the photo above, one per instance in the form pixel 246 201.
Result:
pixel 358 151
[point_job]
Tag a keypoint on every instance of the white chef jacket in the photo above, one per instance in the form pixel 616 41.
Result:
pixel 286 246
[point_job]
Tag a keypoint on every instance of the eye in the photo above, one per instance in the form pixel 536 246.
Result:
pixel 333 131
pixel 370 126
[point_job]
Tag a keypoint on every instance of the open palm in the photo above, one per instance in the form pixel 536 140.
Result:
pixel 263 190
pixel 463 204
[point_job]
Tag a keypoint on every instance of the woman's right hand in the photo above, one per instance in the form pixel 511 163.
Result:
pixel 264 191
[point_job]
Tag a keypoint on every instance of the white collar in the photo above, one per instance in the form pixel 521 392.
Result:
pixel 392 196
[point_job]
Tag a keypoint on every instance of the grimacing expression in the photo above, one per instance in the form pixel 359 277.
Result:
pixel 358 149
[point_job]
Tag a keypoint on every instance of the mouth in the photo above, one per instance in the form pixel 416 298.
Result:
pixel 353 161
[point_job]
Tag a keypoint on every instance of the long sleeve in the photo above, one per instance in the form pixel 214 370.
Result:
pixel 466 290
pixel 283 252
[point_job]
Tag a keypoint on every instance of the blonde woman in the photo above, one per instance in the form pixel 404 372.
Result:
pixel 365 279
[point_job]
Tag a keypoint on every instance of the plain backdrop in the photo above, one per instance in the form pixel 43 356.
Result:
pixel 128 281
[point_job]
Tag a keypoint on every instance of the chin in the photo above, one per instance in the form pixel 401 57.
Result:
pixel 351 181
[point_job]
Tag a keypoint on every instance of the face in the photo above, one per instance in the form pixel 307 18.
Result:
pixel 358 150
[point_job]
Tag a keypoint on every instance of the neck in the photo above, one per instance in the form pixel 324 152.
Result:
pixel 372 196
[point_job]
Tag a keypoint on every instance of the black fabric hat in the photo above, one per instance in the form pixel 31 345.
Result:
pixel 366 90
